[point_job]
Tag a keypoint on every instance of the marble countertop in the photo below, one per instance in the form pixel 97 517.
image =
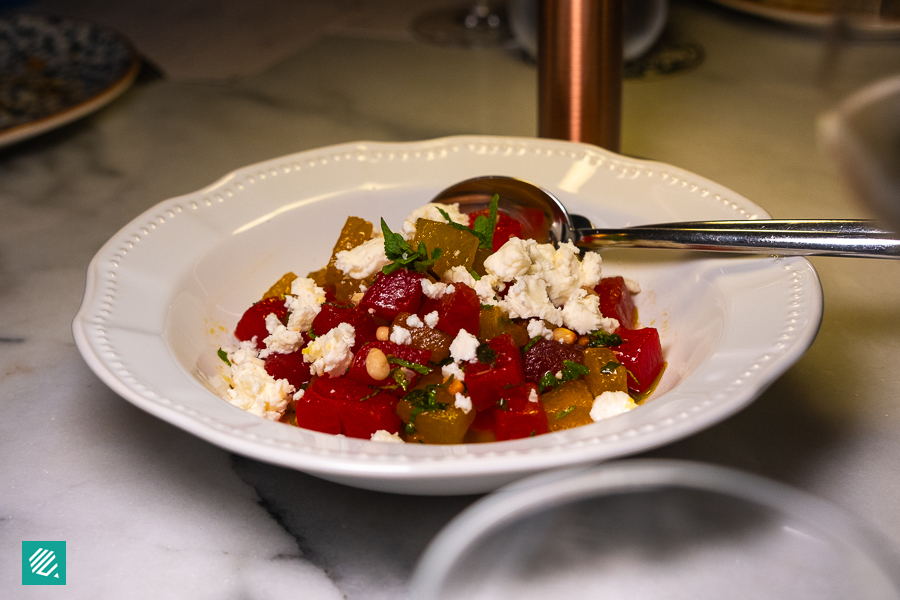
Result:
pixel 148 511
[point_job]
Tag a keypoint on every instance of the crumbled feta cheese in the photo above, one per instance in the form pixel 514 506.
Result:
pixel 560 268
pixel 527 298
pixel 610 404
pixel 431 319
pixel 414 321
pixel 536 328
pixel 304 303
pixel 437 289
pixel 582 313
pixel 453 370
pixel 511 260
pixel 463 403
pixel 400 335
pixel 362 261
pixel 252 388
pixel 430 211
pixel 533 395
pixel 382 435
pixel 299 394
pixel 331 352
pixel 463 347
pixel 485 287
pixel 281 340
pixel 633 286
pixel 459 274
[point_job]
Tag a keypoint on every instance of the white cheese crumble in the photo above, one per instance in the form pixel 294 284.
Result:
pixel 437 289
pixel 463 403
pixel 414 321
pixel 560 268
pixel 382 435
pixel 463 347
pixel 610 404
pixel 536 328
pixel 280 340
pixel 533 395
pixel 453 370
pixel 362 261
pixel 252 388
pixel 431 319
pixel 331 352
pixel 582 314
pixel 304 303
pixel 527 298
pixel 400 335
pixel 633 286
pixel 485 287
pixel 430 211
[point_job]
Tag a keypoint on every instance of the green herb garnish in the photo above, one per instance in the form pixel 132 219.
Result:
pixel 601 339
pixel 485 354
pixel 400 379
pixel 547 381
pixel 403 255
pixel 570 372
pixel 531 343
pixel 422 400
pixel 420 369
pixel 474 275
pixel 224 356
pixel 482 228
pixel 610 367
pixel 564 413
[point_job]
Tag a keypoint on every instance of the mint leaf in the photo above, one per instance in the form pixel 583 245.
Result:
pixel 420 369
pixel 224 356
pixel 601 339
pixel 403 255
pixel 484 226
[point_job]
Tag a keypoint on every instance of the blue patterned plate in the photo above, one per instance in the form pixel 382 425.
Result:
pixel 54 71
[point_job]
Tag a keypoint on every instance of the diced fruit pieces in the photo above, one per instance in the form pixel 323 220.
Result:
pixel 457 246
pixel 281 287
pixel 568 405
pixel 354 233
pixel 458 310
pixel 358 371
pixel 493 321
pixel 441 424
pixel 434 340
pixel 616 301
pixel 518 416
pixel 253 322
pixel 548 355
pixel 604 375
pixel 506 227
pixel 333 314
pixel 485 381
pixel 289 366
pixel 400 291
pixel 641 354
pixel 354 409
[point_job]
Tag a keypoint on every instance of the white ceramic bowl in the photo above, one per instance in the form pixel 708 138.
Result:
pixel 655 529
pixel 166 291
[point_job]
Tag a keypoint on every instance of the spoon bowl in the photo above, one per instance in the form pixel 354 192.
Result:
pixel 545 219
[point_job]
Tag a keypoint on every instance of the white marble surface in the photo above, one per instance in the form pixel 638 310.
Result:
pixel 148 511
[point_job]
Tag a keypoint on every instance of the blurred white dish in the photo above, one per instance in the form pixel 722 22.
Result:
pixel 166 291
pixel 654 529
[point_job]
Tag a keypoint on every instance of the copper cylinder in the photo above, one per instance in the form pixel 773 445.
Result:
pixel 580 68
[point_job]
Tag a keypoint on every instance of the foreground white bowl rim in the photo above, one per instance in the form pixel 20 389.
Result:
pixel 421 469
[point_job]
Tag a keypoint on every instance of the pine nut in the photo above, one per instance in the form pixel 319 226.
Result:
pixel 355 298
pixel 564 336
pixel 383 333
pixel 377 365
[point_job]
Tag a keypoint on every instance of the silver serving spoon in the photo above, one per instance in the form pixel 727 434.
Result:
pixel 545 219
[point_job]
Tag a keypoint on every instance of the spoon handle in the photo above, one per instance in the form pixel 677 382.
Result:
pixel 819 237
